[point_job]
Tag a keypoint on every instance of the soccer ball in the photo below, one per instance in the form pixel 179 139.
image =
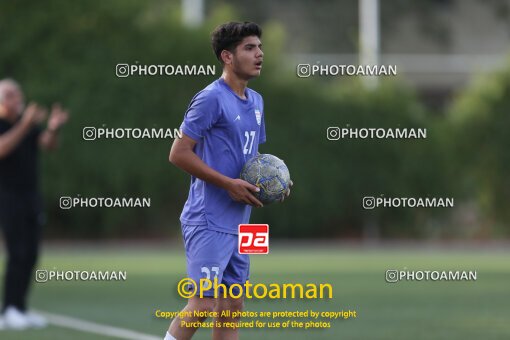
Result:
pixel 270 174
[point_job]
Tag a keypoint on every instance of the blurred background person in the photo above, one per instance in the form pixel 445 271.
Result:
pixel 21 214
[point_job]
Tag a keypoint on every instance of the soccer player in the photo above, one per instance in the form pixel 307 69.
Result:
pixel 20 203
pixel 222 129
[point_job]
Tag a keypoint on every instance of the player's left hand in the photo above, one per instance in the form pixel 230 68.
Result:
pixel 58 117
pixel 287 193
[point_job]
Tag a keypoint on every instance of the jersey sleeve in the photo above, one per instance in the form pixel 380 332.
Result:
pixel 203 112
pixel 262 134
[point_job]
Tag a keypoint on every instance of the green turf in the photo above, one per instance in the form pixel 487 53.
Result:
pixel 404 310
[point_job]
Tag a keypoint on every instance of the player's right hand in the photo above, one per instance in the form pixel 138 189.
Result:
pixel 34 114
pixel 241 191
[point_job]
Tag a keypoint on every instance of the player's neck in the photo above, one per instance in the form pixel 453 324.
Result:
pixel 236 84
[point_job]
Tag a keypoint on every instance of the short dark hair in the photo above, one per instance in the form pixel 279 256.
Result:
pixel 228 36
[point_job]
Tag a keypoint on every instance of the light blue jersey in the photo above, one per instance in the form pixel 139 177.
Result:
pixel 228 131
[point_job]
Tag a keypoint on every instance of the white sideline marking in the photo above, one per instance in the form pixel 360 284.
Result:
pixel 92 327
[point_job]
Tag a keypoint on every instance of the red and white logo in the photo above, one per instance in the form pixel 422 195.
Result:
pixel 253 238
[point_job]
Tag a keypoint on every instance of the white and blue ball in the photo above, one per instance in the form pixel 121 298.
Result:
pixel 270 174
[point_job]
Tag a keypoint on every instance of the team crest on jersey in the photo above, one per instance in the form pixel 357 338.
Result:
pixel 258 116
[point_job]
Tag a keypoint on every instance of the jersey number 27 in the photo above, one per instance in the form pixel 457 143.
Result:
pixel 250 137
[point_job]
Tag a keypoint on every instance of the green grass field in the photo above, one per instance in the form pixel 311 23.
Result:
pixel 403 310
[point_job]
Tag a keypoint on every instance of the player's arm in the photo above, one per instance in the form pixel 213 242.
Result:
pixel 9 140
pixel 183 156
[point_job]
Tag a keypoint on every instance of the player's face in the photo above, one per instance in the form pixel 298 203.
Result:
pixel 247 59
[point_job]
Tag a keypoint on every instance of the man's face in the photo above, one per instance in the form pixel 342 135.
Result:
pixel 13 101
pixel 247 58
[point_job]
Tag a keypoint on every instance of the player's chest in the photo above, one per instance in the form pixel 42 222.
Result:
pixel 239 118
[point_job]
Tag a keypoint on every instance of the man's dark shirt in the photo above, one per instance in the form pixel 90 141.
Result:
pixel 19 169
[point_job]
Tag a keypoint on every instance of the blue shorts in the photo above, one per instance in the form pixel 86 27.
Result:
pixel 212 254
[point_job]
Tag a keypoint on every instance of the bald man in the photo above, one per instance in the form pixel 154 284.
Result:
pixel 20 203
